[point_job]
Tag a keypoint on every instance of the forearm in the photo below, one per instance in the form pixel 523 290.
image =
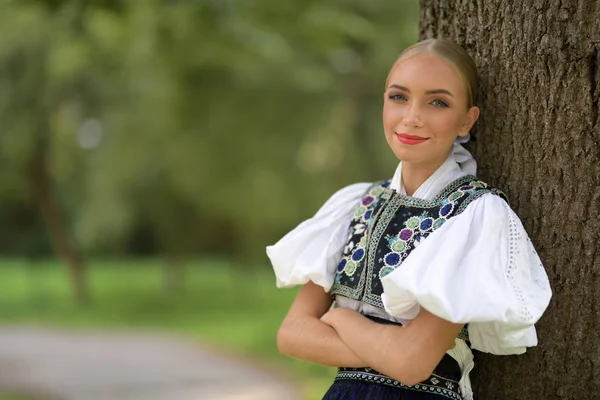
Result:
pixel 408 354
pixel 310 339
pixel 381 346
pixel 368 339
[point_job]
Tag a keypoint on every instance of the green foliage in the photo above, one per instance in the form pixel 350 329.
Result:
pixel 193 126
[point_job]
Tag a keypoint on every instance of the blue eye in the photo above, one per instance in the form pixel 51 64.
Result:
pixel 440 103
pixel 397 97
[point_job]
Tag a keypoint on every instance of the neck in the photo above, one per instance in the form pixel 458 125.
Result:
pixel 415 174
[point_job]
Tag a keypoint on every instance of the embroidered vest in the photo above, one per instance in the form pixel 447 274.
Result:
pixel 387 226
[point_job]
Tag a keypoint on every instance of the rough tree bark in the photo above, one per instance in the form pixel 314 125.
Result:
pixel 538 139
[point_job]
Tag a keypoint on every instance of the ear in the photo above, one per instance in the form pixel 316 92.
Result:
pixel 470 119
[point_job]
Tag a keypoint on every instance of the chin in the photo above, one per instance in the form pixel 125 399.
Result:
pixel 404 154
pixel 401 151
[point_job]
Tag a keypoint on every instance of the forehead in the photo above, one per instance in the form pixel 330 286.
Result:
pixel 426 71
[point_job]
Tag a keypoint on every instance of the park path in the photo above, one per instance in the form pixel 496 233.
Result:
pixel 120 366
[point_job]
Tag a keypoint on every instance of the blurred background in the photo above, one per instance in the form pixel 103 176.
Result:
pixel 150 150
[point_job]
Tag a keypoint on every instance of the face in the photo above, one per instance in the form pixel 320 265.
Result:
pixel 425 109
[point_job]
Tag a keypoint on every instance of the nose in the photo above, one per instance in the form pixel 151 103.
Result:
pixel 412 118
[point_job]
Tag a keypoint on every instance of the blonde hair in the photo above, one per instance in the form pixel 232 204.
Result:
pixel 456 56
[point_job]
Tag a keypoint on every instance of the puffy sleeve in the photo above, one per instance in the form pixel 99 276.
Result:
pixel 311 251
pixel 479 268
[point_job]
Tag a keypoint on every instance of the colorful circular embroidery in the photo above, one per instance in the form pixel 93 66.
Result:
pixel 438 223
pixel 384 271
pixel 391 259
pixel 406 234
pixel 376 191
pixel 359 211
pixel 478 184
pixel 350 268
pixel 426 224
pixel 399 246
pixel 358 254
pixel 413 222
pixel 367 200
pixel 446 210
pixel 456 195
pixel 341 265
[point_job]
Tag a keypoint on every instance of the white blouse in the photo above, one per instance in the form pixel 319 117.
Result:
pixel 479 268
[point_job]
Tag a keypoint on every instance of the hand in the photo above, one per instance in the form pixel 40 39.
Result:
pixel 333 315
pixel 328 317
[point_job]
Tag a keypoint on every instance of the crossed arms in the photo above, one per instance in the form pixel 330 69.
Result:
pixel 344 338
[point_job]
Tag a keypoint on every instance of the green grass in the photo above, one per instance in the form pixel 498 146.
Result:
pixel 235 308
pixel 13 397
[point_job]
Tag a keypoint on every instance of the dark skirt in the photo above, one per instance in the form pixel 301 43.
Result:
pixel 368 384
pixel 357 390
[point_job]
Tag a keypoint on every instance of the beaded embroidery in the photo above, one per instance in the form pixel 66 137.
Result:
pixel 444 380
pixel 435 384
pixel 387 226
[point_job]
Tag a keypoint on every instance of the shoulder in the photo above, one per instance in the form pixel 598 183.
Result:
pixel 311 251
pixel 347 197
pixel 471 188
pixel 468 196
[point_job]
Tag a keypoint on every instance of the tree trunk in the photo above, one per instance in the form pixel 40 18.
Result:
pixel 538 139
pixel 54 219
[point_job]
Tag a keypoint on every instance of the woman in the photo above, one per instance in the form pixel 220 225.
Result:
pixel 422 268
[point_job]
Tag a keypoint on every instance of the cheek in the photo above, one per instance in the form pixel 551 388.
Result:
pixel 390 115
pixel 448 123
pixel 458 124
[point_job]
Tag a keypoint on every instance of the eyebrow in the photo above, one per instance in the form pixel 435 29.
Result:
pixel 433 91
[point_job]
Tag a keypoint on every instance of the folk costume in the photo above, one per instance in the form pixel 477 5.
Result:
pixel 454 247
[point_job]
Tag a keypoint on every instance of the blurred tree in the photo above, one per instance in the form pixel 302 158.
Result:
pixel 31 91
pixel 249 114
pixel 538 138
pixel 196 126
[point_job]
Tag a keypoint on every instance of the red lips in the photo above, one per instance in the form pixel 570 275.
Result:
pixel 410 139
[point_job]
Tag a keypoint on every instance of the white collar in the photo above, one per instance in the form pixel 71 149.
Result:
pixel 459 163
